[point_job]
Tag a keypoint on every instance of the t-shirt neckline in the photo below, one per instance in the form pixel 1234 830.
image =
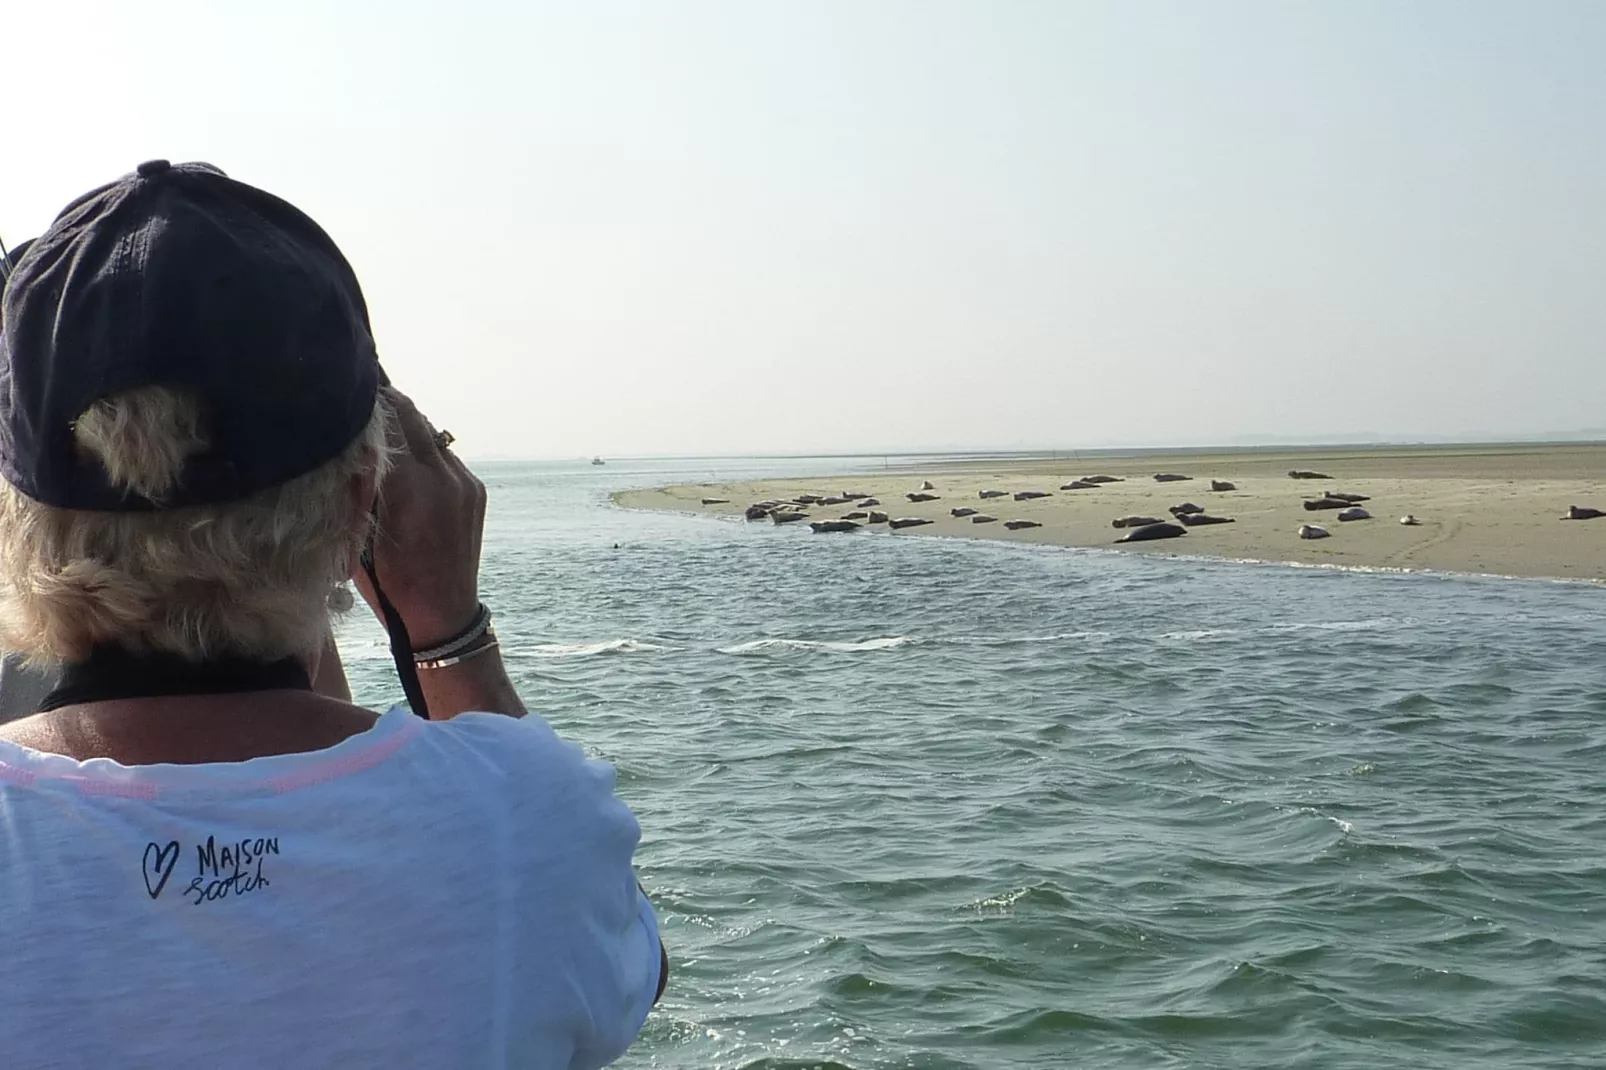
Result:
pixel 275 773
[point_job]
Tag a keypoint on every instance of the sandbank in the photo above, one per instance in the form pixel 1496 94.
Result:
pixel 1482 509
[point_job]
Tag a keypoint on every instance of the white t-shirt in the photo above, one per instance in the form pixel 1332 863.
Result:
pixel 451 894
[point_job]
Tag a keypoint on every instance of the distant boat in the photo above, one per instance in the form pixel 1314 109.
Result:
pixel 598 460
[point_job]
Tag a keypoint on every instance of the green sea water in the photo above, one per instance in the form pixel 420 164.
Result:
pixel 927 804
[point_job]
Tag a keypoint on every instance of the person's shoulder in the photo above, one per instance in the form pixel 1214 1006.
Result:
pixel 536 771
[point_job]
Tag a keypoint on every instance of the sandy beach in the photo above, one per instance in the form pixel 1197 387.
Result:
pixel 1481 509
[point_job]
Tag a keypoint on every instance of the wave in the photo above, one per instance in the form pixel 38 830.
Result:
pixel 585 650
pixel 759 646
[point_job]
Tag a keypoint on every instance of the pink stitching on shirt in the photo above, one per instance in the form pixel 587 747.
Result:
pixel 119 790
pixel 14 775
pixel 353 763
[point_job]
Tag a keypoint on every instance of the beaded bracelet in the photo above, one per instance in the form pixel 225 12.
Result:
pixel 460 642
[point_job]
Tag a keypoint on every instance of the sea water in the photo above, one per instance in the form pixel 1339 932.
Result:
pixel 911 802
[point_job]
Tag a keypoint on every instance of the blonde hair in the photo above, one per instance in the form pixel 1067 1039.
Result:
pixel 252 578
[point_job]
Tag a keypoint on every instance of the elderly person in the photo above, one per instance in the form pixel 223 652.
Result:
pixel 205 859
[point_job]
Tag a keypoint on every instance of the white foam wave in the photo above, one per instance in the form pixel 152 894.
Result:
pixel 1010 640
pixel 758 646
pixel 582 650
pixel 1368 625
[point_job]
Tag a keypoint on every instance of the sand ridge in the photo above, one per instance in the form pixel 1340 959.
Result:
pixel 1490 510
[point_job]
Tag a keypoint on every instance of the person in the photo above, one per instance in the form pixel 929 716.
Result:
pixel 204 858
pixel 23 684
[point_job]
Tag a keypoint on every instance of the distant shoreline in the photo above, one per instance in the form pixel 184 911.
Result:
pixel 1485 508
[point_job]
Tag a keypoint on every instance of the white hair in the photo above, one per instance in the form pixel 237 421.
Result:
pixel 252 578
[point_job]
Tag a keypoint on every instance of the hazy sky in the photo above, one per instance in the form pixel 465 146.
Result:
pixel 682 227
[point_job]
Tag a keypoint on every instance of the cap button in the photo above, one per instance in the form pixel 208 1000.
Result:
pixel 152 168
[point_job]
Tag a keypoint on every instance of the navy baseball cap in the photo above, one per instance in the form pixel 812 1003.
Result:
pixel 179 276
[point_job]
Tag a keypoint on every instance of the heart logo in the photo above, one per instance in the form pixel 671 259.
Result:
pixel 159 863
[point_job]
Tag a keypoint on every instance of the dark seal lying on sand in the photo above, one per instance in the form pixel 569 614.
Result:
pixel 1582 512
pixel 1153 531
pixel 1135 521
pixel 821 527
pixel 1170 477
pixel 1299 473
pixel 1313 504
pixel 908 522
pixel 1193 520
pixel 1017 525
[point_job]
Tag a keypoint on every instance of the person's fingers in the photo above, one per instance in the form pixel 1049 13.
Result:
pixel 417 432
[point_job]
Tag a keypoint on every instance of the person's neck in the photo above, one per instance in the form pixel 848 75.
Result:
pixel 142 708
pixel 192 729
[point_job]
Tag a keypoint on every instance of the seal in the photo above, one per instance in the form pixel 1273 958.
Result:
pixel 1313 504
pixel 1351 498
pixel 991 493
pixel 857 514
pixel 963 510
pixel 925 484
pixel 1193 520
pixel 1017 525
pixel 716 501
pixel 908 522
pixel 1101 479
pixel 1078 484
pixel 1150 532
pixel 1222 484
pixel 787 516
pixel 1582 512
pixel 1312 531
pixel 1028 495
pixel 868 502
pixel 1135 521
pixel 823 527
pixel 1184 509
pixel 1170 477
pixel 853 495
pixel 834 500
pixel 760 510
pixel 1300 473
pixel 1354 512
pixel 877 517
pixel 1409 520
pixel 983 518
pixel 923 497
pixel 808 499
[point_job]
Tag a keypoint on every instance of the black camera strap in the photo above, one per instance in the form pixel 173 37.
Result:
pixel 401 644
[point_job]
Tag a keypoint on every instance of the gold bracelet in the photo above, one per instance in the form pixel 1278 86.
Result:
pixel 446 663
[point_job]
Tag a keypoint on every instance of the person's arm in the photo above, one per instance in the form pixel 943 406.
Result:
pixel 427 556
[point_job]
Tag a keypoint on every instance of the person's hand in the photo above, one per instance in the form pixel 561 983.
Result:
pixel 431 521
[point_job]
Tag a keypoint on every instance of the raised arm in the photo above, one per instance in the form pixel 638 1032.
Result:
pixel 427 556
